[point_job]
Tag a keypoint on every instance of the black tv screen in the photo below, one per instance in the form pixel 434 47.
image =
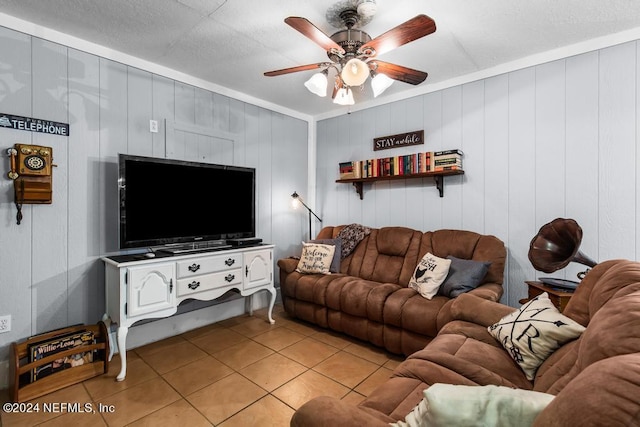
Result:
pixel 165 201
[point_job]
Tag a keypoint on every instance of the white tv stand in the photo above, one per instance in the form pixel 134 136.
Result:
pixel 139 288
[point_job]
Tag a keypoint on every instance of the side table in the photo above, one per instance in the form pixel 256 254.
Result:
pixel 558 297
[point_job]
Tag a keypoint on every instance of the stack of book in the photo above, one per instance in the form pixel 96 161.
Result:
pixel 447 160
pixel 408 164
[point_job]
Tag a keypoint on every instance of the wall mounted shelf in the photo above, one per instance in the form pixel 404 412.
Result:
pixel 437 176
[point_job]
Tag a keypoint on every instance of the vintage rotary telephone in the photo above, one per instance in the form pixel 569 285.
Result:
pixel 31 167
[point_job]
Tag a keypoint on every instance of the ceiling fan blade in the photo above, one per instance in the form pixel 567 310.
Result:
pixel 296 69
pixel 400 73
pixel 312 32
pixel 409 31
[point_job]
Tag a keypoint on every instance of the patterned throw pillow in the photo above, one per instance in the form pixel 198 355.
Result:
pixel 429 275
pixel 533 332
pixel 350 236
pixel 315 258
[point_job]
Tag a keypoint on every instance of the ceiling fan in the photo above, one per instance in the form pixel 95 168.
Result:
pixel 353 53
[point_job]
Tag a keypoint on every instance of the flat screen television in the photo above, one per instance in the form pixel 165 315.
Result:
pixel 167 202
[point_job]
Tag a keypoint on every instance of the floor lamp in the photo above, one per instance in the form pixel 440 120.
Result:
pixel 296 200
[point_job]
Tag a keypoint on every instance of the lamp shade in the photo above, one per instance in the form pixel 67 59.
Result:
pixel 344 97
pixel 355 72
pixel 317 84
pixel 380 83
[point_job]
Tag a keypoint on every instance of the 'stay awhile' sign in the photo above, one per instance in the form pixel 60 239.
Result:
pixel 33 125
pixel 400 140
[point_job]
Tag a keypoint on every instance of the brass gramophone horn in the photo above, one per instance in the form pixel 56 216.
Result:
pixel 556 245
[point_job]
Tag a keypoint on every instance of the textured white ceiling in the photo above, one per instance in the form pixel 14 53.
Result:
pixel 231 43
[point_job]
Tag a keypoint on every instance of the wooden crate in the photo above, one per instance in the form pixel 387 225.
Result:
pixel 22 391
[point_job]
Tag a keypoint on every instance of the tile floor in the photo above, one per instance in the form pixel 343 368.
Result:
pixel 239 372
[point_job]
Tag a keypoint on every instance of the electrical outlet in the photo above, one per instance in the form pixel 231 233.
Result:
pixel 5 323
pixel 153 126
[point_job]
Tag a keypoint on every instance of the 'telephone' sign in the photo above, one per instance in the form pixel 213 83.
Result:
pixel 31 124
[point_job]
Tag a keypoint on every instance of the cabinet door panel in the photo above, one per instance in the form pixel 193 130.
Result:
pixel 150 289
pixel 258 268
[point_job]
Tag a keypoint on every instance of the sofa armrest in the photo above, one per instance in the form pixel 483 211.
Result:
pixel 329 411
pixel 472 308
pixel 288 265
pixel 488 291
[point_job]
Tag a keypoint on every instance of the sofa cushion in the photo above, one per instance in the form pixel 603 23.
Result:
pixel 315 258
pixel 429 274
pixel 337 243
pixel 533 332
pixel 464 275
pixel 489 406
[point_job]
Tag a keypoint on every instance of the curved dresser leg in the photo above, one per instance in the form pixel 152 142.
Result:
pixel 122 348
pixel 272 291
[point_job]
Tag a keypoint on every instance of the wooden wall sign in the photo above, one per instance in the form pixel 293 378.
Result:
pixel 400 140
pixel 31 124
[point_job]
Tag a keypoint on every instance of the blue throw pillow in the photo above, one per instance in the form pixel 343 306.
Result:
pixel 464 275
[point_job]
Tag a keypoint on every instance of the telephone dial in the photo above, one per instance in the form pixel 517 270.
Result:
pixel 31 167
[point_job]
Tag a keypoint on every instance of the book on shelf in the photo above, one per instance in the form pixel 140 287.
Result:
pixel 42 349
pixel 407 164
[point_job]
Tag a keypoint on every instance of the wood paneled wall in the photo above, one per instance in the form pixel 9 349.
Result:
pixel 555 140
pixel 50 270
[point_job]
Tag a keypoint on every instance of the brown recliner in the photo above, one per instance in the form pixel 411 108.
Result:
pixel 370 299
pixel 596 378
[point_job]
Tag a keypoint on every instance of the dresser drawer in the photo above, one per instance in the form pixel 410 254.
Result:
pixel 199 266
pixel 206 282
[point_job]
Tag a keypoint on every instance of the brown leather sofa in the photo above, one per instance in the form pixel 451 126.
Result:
pixel 369 298
pixel 595 378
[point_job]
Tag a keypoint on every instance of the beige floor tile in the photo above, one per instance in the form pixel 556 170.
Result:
pixel 277 339
pixel 273 371
pixel 77 419
pixel 226 397
pixel 243 354
pixel 158 346
pixel 253 326
pixel 394 361
pixel 174 356
pixel 353 398
pixel 368 352
pixel 267 411
pixel 306 329
pixel 309 352
pixel 218 340
pixel 179 413
pixel 138 401
pixel 196 375
pixel 334 339
pixel 105 385
pixel 373 381
pixel 346 368
pixel 306 386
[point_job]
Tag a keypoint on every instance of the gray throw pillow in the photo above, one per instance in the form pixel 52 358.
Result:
pixel 335 262
pixel 464 275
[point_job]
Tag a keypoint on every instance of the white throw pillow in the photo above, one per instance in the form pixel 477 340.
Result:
pixel 316 258
pixel 429 275
pixel 466 406
pixel 533 332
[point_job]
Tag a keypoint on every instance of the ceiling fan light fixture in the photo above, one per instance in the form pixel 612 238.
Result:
pixel 355 72
pixel 344 97
pixel 379 83
pixel 317 84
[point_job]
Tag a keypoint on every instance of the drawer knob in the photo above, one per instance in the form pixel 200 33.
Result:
pixel 193 285
pixel 230 277
pixel 194 267
pixel 230 262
